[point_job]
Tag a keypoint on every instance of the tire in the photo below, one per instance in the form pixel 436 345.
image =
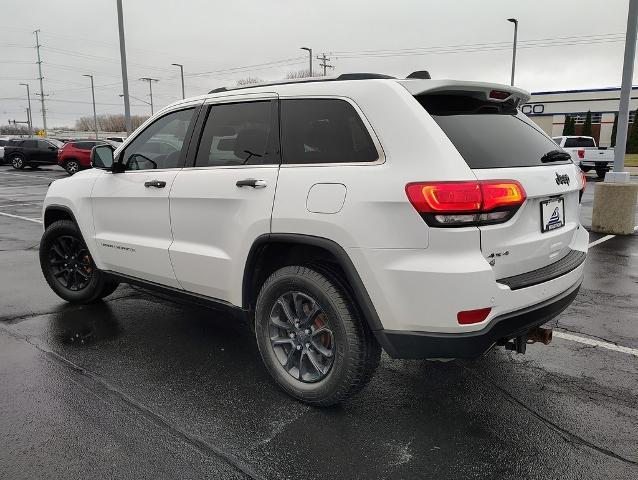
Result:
pixel 335 329
pixel 17 162
pixel 62 245
pixel 601 173
pixel 72 166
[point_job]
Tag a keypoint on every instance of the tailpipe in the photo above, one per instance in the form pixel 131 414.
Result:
pixel 540 334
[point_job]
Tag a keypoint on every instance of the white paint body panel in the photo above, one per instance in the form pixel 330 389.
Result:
pixel 214 225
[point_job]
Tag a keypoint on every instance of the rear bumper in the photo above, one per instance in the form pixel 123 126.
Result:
pixel 404 344
pixel 601 164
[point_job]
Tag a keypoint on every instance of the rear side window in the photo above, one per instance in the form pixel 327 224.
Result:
pixel 84 145
pixel 579 142
pixel 489 134
pixel 239 134
pixel 324 131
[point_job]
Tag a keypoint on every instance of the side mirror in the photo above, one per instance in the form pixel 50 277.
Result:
pixel 102 157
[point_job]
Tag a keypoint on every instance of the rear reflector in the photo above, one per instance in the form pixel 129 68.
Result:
pixel 466 203
pixel 468 317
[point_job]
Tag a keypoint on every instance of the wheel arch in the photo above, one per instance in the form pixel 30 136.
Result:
pixel 54 213
pixel 291 248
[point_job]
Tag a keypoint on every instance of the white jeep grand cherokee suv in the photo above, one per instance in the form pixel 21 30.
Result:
pixel 430 218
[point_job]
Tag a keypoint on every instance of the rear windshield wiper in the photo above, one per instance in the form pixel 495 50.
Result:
pixel 555 156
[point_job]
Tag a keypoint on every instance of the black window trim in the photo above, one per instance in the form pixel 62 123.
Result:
pixel 197 107
pixel 201 123
pixel 366 123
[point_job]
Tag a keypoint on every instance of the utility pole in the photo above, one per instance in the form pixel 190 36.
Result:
pixel 515 22
pixel 324 63
pixel 181 69
pixel 309 50
pixel 127 106
pixel 93 94
pixel 29 117
pixel 44 111
pixel 150 88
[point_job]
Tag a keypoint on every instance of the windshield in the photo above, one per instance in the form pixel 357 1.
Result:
pixel 55 143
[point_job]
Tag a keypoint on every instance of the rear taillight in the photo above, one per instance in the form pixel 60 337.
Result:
pixel 459 204
pixel 581 153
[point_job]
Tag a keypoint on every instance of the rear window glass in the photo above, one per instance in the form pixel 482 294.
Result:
pixel 489 135
pixel 579 142
pixel 324 131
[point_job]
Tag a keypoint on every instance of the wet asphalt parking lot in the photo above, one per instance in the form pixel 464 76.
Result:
pixel 140 387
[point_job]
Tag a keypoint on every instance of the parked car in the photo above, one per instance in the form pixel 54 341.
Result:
pixel 586 154
pixel 32 152
pixel 341 215
pixel 3 142
pixel 76 155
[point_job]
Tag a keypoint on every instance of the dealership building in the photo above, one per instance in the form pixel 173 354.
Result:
pixel 549 109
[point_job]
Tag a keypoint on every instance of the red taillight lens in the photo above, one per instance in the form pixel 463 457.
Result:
pixel 501 194
pixel 466 203
pixel 445 197
pixel 581 153
pixel 468 317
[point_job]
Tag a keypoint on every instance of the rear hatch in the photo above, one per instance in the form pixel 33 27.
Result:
pixel 498 142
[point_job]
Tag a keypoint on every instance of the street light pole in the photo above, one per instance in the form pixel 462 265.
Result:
pixel 150 87
pixel 29 118
pixel 93 94
pixel 309 50
pixel 181 69
pixel 127 106
pixel 515 22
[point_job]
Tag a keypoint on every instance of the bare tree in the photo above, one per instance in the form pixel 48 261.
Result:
pixel 298 74
pixel 14 130
pixel 248 81
pixel 108 123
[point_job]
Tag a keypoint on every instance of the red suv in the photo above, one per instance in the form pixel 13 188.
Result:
pixel 76 155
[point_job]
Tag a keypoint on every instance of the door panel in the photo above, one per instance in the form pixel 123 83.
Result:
pixel 132 224
pixel 221 205
pixel 214 225
pixel 131 208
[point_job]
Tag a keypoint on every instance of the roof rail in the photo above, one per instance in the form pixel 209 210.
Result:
pixel 343 76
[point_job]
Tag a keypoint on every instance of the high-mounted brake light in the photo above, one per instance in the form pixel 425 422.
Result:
pixel 499 95
pixel 456 204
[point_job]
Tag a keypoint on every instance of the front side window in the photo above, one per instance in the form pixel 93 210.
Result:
pixel 238 134
pixel 317 130
pixel 161 144
pixel 30 144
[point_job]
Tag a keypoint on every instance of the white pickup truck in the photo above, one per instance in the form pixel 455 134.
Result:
pixel 586 154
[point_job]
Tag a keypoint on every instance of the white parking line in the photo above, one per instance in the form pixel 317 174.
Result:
pixel 605 238
pixel 595 343
pixel 20 204
pixel 29 175
pixel 34 220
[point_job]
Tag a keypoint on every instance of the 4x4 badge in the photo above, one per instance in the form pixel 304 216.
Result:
pixel 562 179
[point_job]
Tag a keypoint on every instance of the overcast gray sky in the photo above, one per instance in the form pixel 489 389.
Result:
pixel 564 44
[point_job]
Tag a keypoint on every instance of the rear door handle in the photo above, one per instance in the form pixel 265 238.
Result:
pixel 155 183
pixel 251 182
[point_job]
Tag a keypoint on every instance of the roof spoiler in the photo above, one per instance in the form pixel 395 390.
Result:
pixel 420 74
